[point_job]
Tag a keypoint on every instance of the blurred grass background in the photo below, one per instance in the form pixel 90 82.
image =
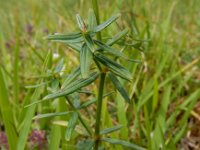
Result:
pixel 166 85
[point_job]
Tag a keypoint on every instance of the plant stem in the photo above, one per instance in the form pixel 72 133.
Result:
pixel 98 113
pixel 79 116
pixel 96 11
pixel 101 85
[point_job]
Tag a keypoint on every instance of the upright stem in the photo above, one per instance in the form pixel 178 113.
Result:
pixel 98 113
pixel 101 84
pixel 96 11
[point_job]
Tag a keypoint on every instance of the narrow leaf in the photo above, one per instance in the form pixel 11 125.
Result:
pixel 109 49
pixel 71 78
pixel 75 46
pixel 92 101
pixel 108 94
pixel 76 99
pixel 55 137
pixel 123 143
pixel 119 87
pixel 71 126
pixel 54 86
pixel 23 134
pixel 85 61
pixel 90 43
pixel 114 67
pixel 193 98
pixel 66 38
pixel 112 51
pixel 34 103
pixel 51 115
pixel 76 85
pixel 59 67
pixel 6 112
pixel 105 24
pixel 88 103
pixel 117 37
pixel 92 22
pixel 81 23
pixel 85 145
pixel 110 130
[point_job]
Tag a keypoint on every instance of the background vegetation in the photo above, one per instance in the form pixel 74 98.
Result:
pixel 165 90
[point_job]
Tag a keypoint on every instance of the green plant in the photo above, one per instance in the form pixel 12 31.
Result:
pixel 164 91
pixel 97 60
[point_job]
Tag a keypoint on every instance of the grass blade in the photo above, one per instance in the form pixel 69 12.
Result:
pixel 57 132
pixel 7 113
pixel 55 137
pixel 123 143
pixel 23 134
pixel 169 79
pixel 27 121
pixel 192 99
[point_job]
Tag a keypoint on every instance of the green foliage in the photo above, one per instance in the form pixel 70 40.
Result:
pixel 7 113
pixel 89 53
pixel 153 107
